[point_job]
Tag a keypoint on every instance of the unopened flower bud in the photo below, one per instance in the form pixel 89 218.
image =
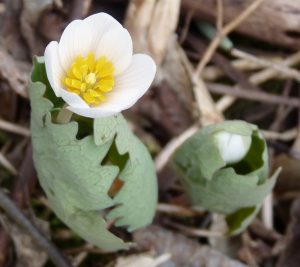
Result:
pixel 232 147
pixel 224 168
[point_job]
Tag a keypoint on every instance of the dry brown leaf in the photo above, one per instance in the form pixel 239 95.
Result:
pixel 28 253
pixel 174 71
pixel 291 254
pixel 30 15
pixel 162 27
pixel 152 24
pixel 289 178
pixel 185 252
pixel 138 19
pixel 15 73
pixel 275 21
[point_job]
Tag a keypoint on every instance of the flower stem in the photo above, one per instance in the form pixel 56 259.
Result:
pixel 64 116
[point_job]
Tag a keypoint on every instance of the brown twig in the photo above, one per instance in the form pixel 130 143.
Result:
pixel 205 104
pixel 236 75
pixel 282 110
pixel 25 182
pixel 14 128
pixel 288 135
pixel 225 31
pixel 249 257
pixel 258 78
pixel 267 74
pixel 195 232
pixel 23 186
pixel 274 134
pixel 4 247
pixel 12 211
pixel 164 156
pixel 176 210
pixel 186 26
pixel 212 73
pixel 7 165
pixel 252 95
pixel 220 12
pixel 286 71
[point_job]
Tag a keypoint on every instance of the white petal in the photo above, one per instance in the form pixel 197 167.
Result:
pixel 83 36
pixel 116 45
pixel 99 24
pixel 54 69
pixel 133 83
pixel 76 40
pixel 73 99
pixel 93 112
pixel 232 147
pixel 130 86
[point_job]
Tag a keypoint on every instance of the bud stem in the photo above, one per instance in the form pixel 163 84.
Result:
pixel 64 116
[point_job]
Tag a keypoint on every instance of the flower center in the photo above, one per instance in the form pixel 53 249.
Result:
pixel 90 78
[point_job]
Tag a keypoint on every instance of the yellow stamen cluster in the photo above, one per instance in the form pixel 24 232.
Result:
pixel 90 78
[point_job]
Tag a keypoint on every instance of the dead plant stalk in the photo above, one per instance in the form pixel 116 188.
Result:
pixel 223 32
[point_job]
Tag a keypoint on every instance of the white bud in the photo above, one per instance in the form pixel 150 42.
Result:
pixel 232 147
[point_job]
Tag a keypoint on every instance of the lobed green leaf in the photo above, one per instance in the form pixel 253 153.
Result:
pixel 77 174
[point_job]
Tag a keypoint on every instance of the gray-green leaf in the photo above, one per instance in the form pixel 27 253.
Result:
pixel 76 174
pixel 238 189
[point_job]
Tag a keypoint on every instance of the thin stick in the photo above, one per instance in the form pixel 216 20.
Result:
pixel 211 73
pixel 285 136
pixel 176 210
pixel 10 208
pixel 281 68
pixel 225 31
pixel 79 258
pixel 267 74
pixel 258 78
pixel 160 260
pixel 2 8
pixel 195 232
pixel 205 103
pixel 7 165
pixel 282 111
pixel 252 95
pixel 14 128
pixel 250 260
pixel 86 247
pixel 164 156
pixel 267 212
pixel 219 15
pixel 186 26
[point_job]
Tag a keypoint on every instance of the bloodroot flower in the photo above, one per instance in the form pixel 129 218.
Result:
pixel 94 70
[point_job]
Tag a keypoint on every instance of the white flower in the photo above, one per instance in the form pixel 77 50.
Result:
pixel 232 147
pixel 94 70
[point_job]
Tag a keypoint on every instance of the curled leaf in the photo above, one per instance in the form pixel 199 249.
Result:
pixel 236 189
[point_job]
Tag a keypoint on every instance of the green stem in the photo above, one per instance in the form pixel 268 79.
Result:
pixel 64 116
